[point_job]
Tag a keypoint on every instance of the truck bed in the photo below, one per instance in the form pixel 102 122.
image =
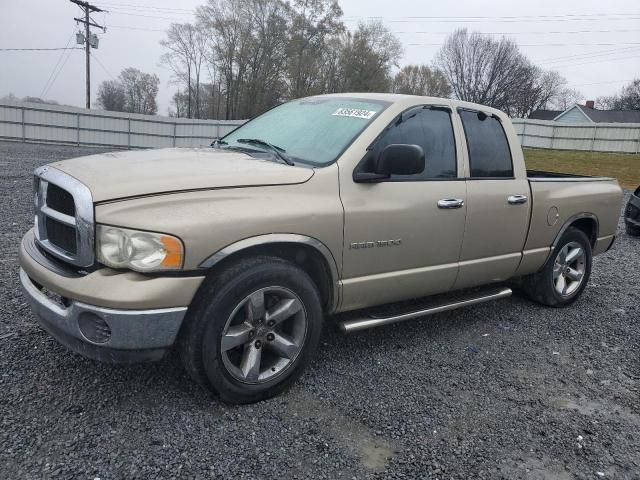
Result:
pixel 542 176
pixel 559 197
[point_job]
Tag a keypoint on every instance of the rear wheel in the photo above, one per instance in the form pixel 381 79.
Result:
pixel 252 330
pixel 565 275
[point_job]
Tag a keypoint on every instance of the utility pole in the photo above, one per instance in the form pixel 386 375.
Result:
pixel 88 8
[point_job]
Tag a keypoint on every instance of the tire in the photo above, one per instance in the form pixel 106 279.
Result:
pixel 557 276
pixel 229 329
pixel 633 231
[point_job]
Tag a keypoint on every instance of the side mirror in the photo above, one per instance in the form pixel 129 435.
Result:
pixel 397 159
pixel 400 159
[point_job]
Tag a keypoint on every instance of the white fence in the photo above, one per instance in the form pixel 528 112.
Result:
pixel 34 122
pixel 594 137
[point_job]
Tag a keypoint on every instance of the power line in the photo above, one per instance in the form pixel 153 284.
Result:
pixel 598 16
pixel 601 83
pixel 527 33
pixel 603 60
pixel 459 21
pixel 541 44
pixel 122 6
pixel 564 15
pixel 127 27
pixel 146 16
pixel 58 73
pixel 113 3
pixel 37 49
pixel 589 54
pixel 461 18
pixel 56 65
pixel 172 14
pixel 102 65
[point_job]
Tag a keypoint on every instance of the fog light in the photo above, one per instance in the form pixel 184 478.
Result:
pixel 94 328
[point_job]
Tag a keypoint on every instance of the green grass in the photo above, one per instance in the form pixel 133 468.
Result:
pixel 624 167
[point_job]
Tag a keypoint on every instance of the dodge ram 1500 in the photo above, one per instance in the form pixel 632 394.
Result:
pixel 237 253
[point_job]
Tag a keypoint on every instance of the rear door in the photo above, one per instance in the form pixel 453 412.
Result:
pixel 498 203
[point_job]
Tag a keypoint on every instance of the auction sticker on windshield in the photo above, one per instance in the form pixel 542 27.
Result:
pixel 354 112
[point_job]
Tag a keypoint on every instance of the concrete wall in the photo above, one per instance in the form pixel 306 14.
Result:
pixel 34 122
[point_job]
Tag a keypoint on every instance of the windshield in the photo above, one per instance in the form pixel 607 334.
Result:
pixel 311 130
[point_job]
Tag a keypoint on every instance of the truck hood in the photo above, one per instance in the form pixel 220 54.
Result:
pixel 125 174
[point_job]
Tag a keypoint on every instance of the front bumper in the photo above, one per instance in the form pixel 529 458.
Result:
pixel 105 315
pixel 105 334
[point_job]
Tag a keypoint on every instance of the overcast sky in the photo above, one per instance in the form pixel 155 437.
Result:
pixel 594 44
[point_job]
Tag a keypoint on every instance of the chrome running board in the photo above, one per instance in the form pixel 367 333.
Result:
pixel 370 321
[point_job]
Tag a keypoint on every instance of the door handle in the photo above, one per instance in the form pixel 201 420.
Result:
pixel 517 199
pixel 448 203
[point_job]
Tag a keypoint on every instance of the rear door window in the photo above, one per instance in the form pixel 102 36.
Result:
pixel 489 153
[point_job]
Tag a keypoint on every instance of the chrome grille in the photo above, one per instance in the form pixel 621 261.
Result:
pixel 61 235
pixel 64 222
pixel 60 200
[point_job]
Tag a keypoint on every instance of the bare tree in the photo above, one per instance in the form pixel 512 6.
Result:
pixel 258 53
pixel 329 67
pixel 229 29
pixel 314 24
pixel 30 99
pixel 185 44
pixel 178 105
pixel 549 87
pixel 540 90
pixel 140 90
pixel 368 56
pixel 264 85
pixel 421 80
pixel 627 99
pixel 111 96
pixel 493 72
pixel 566 98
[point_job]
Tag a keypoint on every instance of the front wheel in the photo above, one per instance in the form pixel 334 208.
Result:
pixel 565 275
pixel 252 329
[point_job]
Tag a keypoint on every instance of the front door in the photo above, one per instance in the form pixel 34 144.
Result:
pixel 403 236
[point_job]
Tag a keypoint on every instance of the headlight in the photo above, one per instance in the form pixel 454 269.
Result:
pixel 142 251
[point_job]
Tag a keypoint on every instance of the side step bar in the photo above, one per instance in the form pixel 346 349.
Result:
pixel 370 321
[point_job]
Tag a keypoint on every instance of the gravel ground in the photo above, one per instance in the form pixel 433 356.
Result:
pixel 498 391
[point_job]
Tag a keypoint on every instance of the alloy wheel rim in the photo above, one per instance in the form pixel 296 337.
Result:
pixel 264 335
pixel 569 269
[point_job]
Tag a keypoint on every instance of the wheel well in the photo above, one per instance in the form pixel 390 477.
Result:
pixel 304 256
pixel 589 227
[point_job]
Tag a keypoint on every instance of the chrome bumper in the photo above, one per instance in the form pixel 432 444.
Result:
pixel 103 333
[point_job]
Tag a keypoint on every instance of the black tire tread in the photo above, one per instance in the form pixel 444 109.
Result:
pixel 215 287
pixel 538 287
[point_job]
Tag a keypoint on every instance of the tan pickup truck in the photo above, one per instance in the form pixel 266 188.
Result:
pixel 237 253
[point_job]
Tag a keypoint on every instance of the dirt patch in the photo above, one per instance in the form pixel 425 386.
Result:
pixel 373 451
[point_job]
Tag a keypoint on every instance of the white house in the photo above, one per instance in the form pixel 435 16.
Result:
pixel 587 114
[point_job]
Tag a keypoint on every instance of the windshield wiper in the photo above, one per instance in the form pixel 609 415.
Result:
pixel 217 141
pixel 281 153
